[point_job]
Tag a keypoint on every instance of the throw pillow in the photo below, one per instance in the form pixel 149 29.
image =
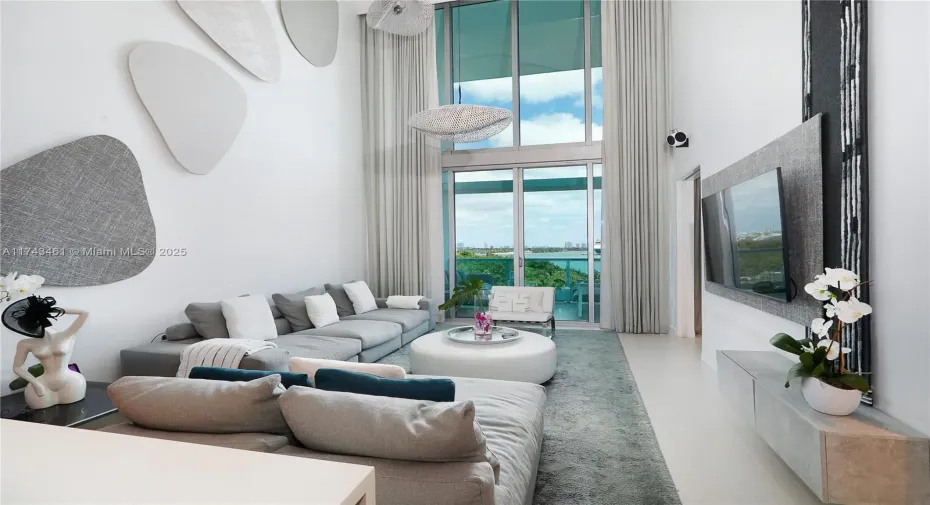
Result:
pixel 360 294
pixel 321 309
pixel 521 303
pixel 343 303
pixel 201 406
pixel 390 428
pixel 294 308
pixel 217 373
pixel 347 381
pixel 249 317
pixel 404 302
pixel 310 366
pixel 207 318
pixel 501 302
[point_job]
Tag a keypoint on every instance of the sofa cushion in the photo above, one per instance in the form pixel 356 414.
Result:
pixel 249 317
pixel 511 417
pixel 344 305
pixel 417 482
pixel 322 347
pixel 370 333
pixel 348 381
pixel 407 319
pixel 202 406
pixel 310 366
pixel 294 309
pixel 216 373
pixel 382 427
pixel 530 317
pixel 258 442
pixel 208 320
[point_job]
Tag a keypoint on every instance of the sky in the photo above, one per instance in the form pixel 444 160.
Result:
pixel 756 204
pixel 552 111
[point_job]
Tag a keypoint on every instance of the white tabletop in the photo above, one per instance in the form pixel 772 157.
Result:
pixel 50 464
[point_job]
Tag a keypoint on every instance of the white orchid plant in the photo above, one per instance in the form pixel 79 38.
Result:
pixel 12 286
pixel 823 357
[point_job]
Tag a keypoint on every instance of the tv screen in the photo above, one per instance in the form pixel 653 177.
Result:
pixel 744 237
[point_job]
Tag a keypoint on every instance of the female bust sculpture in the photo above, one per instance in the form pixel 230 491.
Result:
pixel 31 317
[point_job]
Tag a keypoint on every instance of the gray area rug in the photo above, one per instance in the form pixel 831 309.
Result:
pixel 599 447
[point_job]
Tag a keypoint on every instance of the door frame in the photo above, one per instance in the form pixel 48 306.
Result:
pixel 688 260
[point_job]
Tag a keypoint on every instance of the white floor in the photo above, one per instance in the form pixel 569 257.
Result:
pixel 715 457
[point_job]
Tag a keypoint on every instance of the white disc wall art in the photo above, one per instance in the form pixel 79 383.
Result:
pixel 198 108
pixel 313 28
pixel 243 29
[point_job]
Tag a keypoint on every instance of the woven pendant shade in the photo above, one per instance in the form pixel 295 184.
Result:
pixel 400 17
pixel 462 122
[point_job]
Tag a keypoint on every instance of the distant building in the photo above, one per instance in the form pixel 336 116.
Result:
pixel 568 245
pixel 459 246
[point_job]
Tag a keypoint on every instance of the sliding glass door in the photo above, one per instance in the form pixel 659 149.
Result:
pixel 536 226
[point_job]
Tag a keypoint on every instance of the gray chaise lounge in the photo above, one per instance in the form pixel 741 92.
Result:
pixel 356 337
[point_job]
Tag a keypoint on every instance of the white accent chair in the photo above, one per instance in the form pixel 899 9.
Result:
pixel 523 304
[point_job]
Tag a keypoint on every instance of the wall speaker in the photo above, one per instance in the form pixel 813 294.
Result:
pixel 677 139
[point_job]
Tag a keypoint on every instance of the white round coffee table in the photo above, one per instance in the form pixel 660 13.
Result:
pixel 528 359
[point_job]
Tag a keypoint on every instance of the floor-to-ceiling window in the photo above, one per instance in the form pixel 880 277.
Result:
pixel 523 207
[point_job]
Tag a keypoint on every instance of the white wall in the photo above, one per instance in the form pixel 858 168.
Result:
pixel 737 86
pixel 282 211
pixel 899 134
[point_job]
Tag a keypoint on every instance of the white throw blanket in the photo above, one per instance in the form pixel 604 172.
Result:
pixel 221 352
pixel 404 302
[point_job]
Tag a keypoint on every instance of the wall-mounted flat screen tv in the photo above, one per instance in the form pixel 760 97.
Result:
pixel 744 237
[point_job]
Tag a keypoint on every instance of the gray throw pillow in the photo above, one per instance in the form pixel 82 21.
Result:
pixel 294 308
pixel 208 320
pixel 344 305
pixel 383 427
pixel 180 331
pixel 200 405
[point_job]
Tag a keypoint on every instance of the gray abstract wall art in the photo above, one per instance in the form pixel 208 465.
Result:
pixel 198 108
pixel 243 29
pixel 76 214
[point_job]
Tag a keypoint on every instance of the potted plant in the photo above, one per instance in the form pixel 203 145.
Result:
pixel 825 383
pixel 471 289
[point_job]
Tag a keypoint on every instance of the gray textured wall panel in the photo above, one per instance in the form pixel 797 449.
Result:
pixel 799 154
pixel 77 214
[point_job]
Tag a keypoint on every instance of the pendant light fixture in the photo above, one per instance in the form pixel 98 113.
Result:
pixel 460 123
pixel 400 17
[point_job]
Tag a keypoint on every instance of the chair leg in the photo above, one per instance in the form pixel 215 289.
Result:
pixel 552 325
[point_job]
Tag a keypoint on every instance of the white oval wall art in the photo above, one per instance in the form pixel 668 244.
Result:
pixel 198 108
pixel 241 28
pixel 313 28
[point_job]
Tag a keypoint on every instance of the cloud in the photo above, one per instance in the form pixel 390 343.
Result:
pixel 536 88
pixel 553 128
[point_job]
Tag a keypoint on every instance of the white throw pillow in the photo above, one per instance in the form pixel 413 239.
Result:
pixel 404 302
pixel 322 310
pixel 501 302
pixel 249 317
pixel 522 304
pixel 309 366
pixel 360 294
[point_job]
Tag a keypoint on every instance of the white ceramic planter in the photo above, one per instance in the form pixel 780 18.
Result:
pixel 825 398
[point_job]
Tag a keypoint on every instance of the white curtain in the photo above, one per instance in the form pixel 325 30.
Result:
pixel 401 166
pixel 635 261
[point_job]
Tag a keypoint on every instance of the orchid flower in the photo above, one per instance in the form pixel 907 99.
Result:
pixel 818 289
pixel 830 308
pixel 6 283
pixel 852 310
pixel 809 348
pixel 841 278
pixel 821 327
pixel 834 350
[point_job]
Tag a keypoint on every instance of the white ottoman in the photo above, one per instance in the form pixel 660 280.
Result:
pixel 529 359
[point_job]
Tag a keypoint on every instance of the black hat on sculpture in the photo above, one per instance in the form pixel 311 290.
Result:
pixel 31 316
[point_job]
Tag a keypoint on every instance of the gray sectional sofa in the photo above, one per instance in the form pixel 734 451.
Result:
pixel 364 337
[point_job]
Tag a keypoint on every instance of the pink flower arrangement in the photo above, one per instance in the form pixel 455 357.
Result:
pixel 482 324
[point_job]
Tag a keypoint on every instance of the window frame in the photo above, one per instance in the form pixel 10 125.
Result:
pixel 517 154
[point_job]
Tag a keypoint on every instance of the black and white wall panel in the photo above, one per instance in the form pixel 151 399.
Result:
pixel 834 81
